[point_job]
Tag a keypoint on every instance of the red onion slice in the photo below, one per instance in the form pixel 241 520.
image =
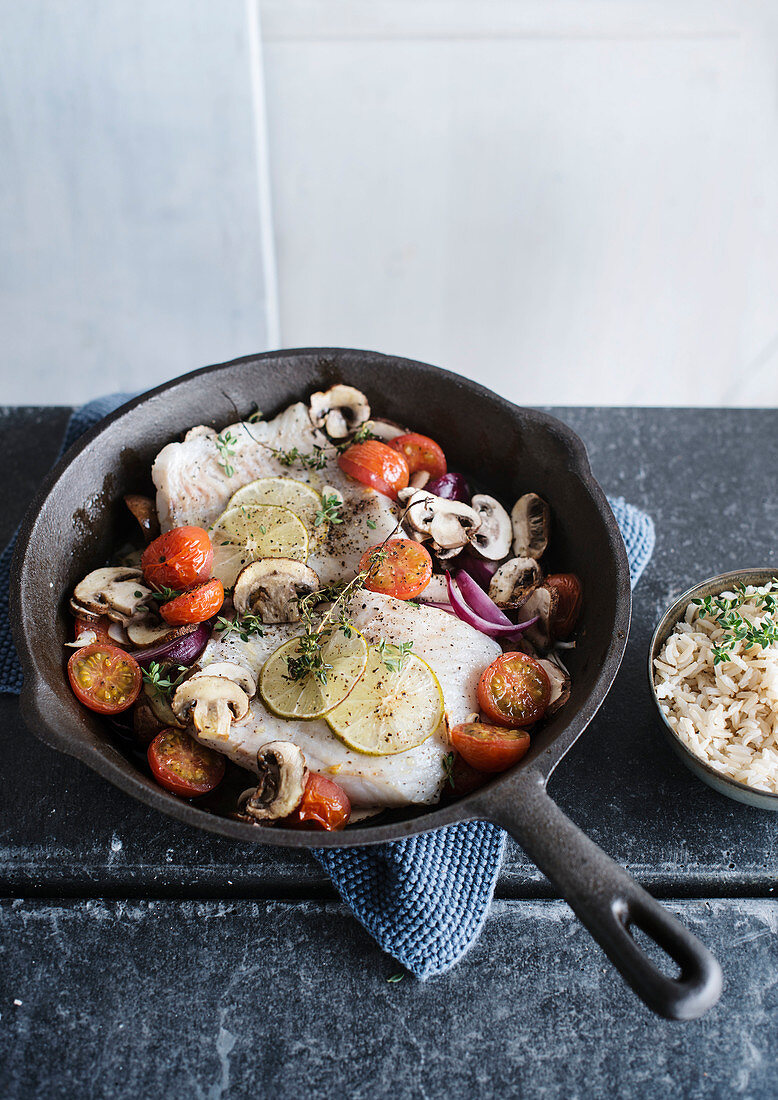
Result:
pixel 508 630
pixel 450 486
pixel 480 602
pixel 182 651
pixel 479 569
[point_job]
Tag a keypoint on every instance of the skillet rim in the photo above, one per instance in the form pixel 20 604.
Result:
pixel 37 694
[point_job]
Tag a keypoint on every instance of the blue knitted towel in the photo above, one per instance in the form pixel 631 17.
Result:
pixel 424 899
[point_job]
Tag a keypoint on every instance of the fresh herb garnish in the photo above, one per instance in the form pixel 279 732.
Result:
pixel 394 656
pixel 158 679
pixel 448 768
pixel 226 443
pixel 164 594
pixel 254 416
pixel 395 977
pixel 723 610
pixel 244 626
pixel 329 511
pixel 315 460
pixel 372 524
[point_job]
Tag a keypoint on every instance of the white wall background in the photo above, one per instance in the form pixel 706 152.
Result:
pixel 574 202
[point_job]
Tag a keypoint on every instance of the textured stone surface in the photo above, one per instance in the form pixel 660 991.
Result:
pixel 255 999
pixel 61 827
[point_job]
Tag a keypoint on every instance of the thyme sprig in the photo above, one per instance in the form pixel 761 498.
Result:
pixel 157 678
pixel 329 512
pixel 243 626
pixel 394 656
pixel 448 768
pixel 723 610
pixel 164 594
pixel 226 443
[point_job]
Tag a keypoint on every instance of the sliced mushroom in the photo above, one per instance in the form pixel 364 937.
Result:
pixel 340 410
pixel 145 723
pixel 448 523
pixel 560 683
pixel 542 602
pixel 211 703
pixel 513 581
pixel 147 630
pixel 145 512
pixel 272 587
pixel 115 591
pixel 385 430
pixel 161 707
pixel 531 520
pixel 492 540
pixel 282 777
pixel 230 670
pixel 419 479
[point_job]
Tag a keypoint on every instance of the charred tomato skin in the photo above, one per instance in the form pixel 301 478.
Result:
pixel 377 465
pixel 421 453
pixel 569 600
pixel 401 568
pixel 178 559
pixel 489 748
pixel 325 805
pixel 104 678
pixel 514 691
pixel 197 605
pixel 183 766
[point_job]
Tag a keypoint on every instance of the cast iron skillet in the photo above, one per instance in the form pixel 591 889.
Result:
pixel 71 529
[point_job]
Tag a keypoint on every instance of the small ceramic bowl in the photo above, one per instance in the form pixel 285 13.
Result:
pixel 764 800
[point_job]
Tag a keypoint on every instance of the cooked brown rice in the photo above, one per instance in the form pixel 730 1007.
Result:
pixel 726 713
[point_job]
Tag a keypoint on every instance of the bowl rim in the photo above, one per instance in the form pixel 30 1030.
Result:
pixel 721 582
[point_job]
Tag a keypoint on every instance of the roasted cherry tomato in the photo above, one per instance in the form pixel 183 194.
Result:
pixel 178 559
pixel 104 677
pixel 325 805
pixel 401 568
pixel 421 453
pixel 377 465
pixel 99 628
pixel 183 766
pixel 194 606
pixel 489 748
pixel 514 690
pixel 568 605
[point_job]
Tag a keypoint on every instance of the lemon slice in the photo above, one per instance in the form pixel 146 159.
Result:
pixel 253 531
pixel 394 707
pixel 298 497
pixel 344 654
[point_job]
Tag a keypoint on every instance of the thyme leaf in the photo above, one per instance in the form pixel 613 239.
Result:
pixel 244 626
pixel 226 443
pixel 329 512
pixel 158 679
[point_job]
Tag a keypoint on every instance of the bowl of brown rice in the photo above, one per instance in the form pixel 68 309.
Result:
pixel 713 671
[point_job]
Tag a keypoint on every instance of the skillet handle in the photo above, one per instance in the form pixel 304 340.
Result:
pixel 608 902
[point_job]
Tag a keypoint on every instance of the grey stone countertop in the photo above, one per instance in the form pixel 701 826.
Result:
pixel 151 959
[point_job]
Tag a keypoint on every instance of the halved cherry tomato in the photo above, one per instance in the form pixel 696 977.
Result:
pixel 377 465
pixel 104 677
pixel 489 748
pixel 514 691
pixel 569 599
pixel 194 606
pixel 401 568
pixel 421 453
pixel 325 805
pixel 178 559
pixel 182 765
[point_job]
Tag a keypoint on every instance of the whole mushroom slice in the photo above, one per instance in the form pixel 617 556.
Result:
pixel 493 538
pixel 147 630
pixel 272 587
pixel 542 602
pixel 385 430
pixel 448 523
pixel 211 704
pixel 560 681
pixel 230 670
pixel 145 512
pixel 340 410
pixel 282 777
pixel 115 591
pixel 512 583
pixel 531 520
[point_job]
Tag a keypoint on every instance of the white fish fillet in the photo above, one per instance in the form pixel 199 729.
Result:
pixel 193 488
pixel 455 651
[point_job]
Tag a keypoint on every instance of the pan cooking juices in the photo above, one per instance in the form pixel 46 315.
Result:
pixel 320 597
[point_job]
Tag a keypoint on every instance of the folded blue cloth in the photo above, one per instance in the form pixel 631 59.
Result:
pixel 424 899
